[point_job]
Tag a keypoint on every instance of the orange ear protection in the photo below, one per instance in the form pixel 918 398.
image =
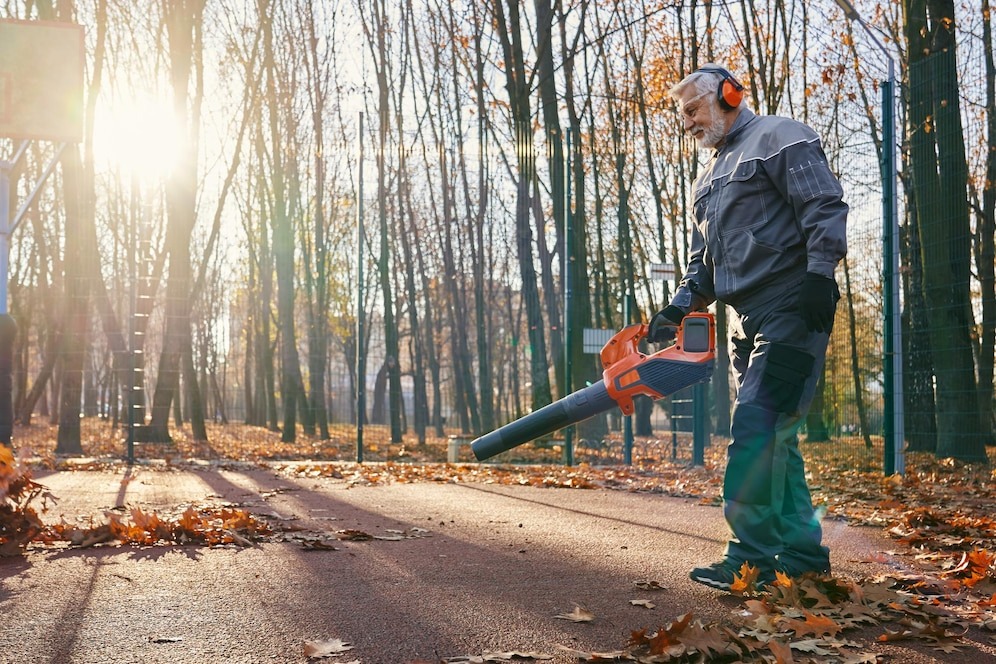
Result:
pixel 730 92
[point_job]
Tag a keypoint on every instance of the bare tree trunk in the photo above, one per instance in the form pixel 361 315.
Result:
pixel 584 366
pixel 78 201
pixel 918 371
pixel 409 234
pixel 74 341
pixel 183 27
pixel 481 241
pixel 509 30
pixel 37 391
pixel 281 228
pixel 376 33
pixel 554 138
pixel 318 332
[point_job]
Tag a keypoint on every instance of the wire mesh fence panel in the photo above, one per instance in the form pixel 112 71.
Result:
pixel 949 262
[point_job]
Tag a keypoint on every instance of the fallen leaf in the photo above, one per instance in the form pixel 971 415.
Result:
pixel 577 615
pixel 515 656
pixel 498 657
pixel 645 603
pixel 319 649
pixel 781 651
pixel 815 646
pixel 813 624
pixel 612 656
pixel 745 582
pixel 706 639
pixel 648 585
pixel 166 639
pixel 354 535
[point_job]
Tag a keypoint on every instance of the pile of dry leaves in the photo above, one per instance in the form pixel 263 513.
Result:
pixel 21 498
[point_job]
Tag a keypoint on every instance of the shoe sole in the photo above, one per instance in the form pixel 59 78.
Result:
pixel 712 583
pixel 722 585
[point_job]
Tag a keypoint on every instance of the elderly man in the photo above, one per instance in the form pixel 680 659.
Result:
pixel 769 231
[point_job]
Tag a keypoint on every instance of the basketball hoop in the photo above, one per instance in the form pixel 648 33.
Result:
pixel 41 80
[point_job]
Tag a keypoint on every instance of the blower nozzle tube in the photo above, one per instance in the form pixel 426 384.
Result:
pixel 573 408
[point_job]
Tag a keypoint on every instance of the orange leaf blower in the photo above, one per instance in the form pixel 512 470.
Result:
pixel 626 373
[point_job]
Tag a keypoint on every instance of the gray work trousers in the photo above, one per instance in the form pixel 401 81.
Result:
pixel 776 363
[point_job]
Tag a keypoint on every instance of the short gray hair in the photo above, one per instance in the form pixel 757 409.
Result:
pixel 703 81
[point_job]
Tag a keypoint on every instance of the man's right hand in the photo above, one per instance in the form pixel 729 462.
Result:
pixel 664 325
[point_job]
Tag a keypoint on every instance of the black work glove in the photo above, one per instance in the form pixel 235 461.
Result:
pixel 664 324
pixel 817 302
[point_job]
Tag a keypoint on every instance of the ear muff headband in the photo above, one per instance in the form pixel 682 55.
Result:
pixel 729 93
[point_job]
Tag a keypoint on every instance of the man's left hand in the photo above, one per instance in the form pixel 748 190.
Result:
pixel 664 325
pixel 817 302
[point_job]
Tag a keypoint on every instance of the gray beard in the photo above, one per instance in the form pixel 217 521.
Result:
pixel 712 136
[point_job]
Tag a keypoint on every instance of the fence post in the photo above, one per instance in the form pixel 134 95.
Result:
pixel 568 295
pixel 699 421
pixel 893 460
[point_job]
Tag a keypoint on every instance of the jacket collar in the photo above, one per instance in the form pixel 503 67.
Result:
pixel 745 117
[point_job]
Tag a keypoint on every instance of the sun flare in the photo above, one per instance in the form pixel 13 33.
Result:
pixel 139 136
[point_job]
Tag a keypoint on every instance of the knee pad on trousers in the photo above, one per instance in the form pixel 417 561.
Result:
pixel 786 370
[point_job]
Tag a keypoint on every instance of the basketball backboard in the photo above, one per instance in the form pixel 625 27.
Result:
pixel 41 80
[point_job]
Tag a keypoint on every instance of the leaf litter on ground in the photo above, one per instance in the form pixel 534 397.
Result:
pixel 939 513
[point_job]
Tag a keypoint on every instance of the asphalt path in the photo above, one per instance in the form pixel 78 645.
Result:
pixel 478 568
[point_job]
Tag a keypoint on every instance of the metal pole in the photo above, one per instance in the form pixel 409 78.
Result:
pixel 132 386
pixel 361 360
pixel 8 328
pixel 568 293
pixel 888 424
pixel 893 458
pixel 699 424
pixel 898 427
pixel 894 313
pixel 4 231
pixel 627 419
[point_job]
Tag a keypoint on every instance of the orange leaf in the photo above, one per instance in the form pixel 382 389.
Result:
pixel 781 651
pixel 746 580
pixel 813 624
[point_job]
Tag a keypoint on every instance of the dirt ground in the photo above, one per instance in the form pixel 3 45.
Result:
pixel 463 569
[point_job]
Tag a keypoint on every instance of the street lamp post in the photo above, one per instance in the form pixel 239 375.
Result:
pixel 892 346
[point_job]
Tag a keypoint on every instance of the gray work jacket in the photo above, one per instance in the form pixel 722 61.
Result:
pixel 767 210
